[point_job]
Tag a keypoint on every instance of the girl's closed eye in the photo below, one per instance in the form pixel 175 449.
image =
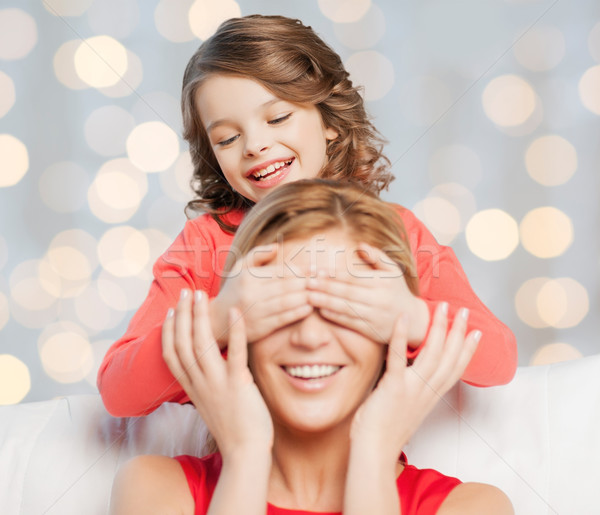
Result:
pixel 228 141
pixel 280 119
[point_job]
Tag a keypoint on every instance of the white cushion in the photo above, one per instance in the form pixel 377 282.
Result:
pixel 537 438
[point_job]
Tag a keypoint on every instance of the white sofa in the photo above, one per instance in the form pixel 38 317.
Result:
pixel 537 438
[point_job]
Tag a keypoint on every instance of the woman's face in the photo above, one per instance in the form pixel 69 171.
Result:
pixel 314 374
pixel 260 140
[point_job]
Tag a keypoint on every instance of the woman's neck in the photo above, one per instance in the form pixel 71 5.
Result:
pixel 309 470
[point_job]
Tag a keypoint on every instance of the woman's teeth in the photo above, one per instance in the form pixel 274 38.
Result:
pixel 258 175
pixel 312 371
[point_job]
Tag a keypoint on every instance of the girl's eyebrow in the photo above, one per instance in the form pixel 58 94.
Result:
pixel 225 121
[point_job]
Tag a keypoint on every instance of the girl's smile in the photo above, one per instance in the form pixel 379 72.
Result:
pixel 260 140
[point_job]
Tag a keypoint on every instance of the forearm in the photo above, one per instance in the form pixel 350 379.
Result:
pixel 243 484
pixel 371 483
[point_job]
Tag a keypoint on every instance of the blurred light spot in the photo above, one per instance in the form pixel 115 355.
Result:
pixel 26 288
pixel 546 232
pixel 372 70
pixel 551 160
pixel 440 216
pixel 541 49
pixel 15 380
pixel 64 65
pixel 175 182
pixel 14 160
pixel 117 205
pixel 69 263
pixel 555 353
pixel 66 355
pixel 363 33
pixel 66 7
pixel 94 312
pixel 594 42
pixel 153 146
pixel 460 197
pixel 589 89
pixel 112 293
pixel 455 163
pixel 18 33
pixel 4 311
pixel 424 99
pixel 526 302
pixel 129 82
pixel 171 20
pixel 562 303
pixel 123 251
pixel 205 16
pixel 102 20
pixel 508 100
pixel 80 240
pixel 7 94
pixel 122 293
pixel 100 61
pixel 158 106
pixel 344 11
pixel 158 242
pixel 63 187
pixel 492 234
pixel 106 130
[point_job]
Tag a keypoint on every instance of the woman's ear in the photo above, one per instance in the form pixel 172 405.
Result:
pixel 331 134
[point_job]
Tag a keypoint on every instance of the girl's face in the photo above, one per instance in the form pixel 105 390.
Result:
pixel 314 374
pixel 259 140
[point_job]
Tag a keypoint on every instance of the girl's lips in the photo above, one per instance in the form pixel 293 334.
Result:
pixel 272 179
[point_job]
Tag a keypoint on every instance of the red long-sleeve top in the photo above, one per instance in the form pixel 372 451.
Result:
pixel 134 380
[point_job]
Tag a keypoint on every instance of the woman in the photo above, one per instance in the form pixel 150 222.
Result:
pixel 313 417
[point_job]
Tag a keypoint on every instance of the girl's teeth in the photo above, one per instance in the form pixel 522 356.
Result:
pixel 269 169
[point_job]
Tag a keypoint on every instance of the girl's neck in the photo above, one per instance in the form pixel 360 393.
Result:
pixel 309 470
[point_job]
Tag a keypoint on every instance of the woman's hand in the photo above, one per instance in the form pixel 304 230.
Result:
pixel 266 305
pixel 222 391
pixel 371 303
pixel 405 395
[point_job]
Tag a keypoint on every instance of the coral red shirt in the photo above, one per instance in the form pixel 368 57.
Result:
pixel 421 491
pixel 134 380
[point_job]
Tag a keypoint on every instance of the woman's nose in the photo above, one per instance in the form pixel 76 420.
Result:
pixel 311 332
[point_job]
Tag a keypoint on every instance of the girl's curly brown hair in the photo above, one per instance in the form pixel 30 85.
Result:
pixel 296 65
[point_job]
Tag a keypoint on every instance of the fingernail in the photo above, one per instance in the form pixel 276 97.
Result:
pixel 464 313
pixel 477 336
pixel 444 308
pixel 170 313
pixel 198 294
pixel 185 293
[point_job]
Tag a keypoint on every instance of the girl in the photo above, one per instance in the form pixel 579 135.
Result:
pixel 321 426
pixel 266 102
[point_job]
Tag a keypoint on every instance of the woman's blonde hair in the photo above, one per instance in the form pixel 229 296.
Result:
pixel 296 65
pixel 304 208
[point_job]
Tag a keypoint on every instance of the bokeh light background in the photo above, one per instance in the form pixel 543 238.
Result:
pixel 491 109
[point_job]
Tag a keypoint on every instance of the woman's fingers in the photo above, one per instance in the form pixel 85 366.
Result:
pixel 396 356
pixel 428 360
pixel 237 350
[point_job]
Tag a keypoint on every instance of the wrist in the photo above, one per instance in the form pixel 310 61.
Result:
pixel 419 322
pixel 374 455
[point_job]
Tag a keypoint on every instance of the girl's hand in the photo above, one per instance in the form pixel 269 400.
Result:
pixel 371 304
pixel 222 391
pixel 406 395
pixel 266 305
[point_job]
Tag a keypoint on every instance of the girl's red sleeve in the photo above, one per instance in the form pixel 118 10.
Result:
pixel 441 278
pixel 133 378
